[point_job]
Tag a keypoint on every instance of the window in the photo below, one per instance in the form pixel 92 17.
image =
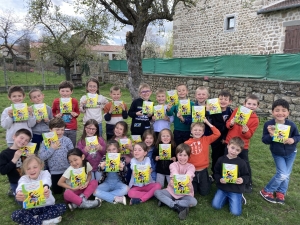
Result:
pixel 230 23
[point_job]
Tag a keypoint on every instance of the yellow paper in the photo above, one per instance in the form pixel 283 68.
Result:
pixel 123 142
pixel 112 162
pixel 34 195
pixel 184 107
pixel 181 184
pixel 92 142
pixel 28 149
pixel 49 138
pixel 165 151
pixel 214 106
pixel 65 105
pixel 20 112
pixel 136 139
pixel 40 111
pixel 91 100
pixel 198 113
pixel 172 97
pixel 141 174
pixel 147 107
pixel 159 112
pixel 230 172
pixel 78 177
pixel 242 115
pixel 117 107
pixel 281 132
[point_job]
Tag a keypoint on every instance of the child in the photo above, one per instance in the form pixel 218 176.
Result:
pixel 149 139
pixel 162 166
pixel 201 95
pixel 50 213
pixel 41 126
pixel 245 132
pixel 56 154
pixel 91 129
pixel 179 202
pixel 158 125
pixel 76 196
pixel 141 192
pixel 200 154
pixel 219 121
pixel 11 160
pixel 16 95
pixel 92 86
pixel 111 117
pixel 231 192
pixel 112 186
pixel 65 91
pixel 284 153
pixel 181 123
pixel 140 122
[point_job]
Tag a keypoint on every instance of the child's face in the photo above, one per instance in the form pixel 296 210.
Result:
pixel 182 92
pixel 251 104
pixel 92 87
pixel 149 140
pixel 115 95
pixel 119 130
pixel 59 131
pixel 21 141
pixel 224 102
pixel 16 97
pixel 112 149
pixel 165 137
pixel 145 93
pixel 201 96
pixel 37 97
pixel 138 152
pixel 233 150
pixel 75 161
pixel 280 114
pixel 197 132
pixel 182 157
pixel 161 98
pixel 65 92
pixel 90 130
pixel 33 169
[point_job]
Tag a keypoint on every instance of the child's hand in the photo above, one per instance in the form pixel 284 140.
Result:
pixel 59 115
pixel 83 102
pixel 149 115
pixel 153 118
pixel 46 120
pixel 157 158
pixel 122 106
pixel 74 114
pixel 10 113
pixel 271 129
pixel 55 145
pixel 205 120
pixel 17 155
pixel 239 180
pixel 102 165
pixel 174 159
pixel 245 129
pixel 208 107
pixel 129 146
pixel 289 141
pixel 38 121
pixel 30 110
pixel 87 148
pixel 232 122
pixel 84 186
pixel 190 185
pixel 169 106
pixel 111 109
pixel 171 182
pixel 222 181
pixel 98 147
pixel 139 113
pixel 121 166
pixel 166 118
pixel 20 196
pixel 75 188
pixel 46 192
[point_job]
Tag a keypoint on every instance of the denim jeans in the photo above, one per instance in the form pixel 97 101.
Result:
pixel 110 188
pixel 100 129
pixel 234 200
pixel 13 187
pixel 280 180
pixel 165 197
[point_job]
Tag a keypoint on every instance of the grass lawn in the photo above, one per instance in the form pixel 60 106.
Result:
pixel 257 210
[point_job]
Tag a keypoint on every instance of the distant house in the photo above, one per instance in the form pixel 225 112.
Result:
pixel 109 51
pixel 16 50
pixel 237 27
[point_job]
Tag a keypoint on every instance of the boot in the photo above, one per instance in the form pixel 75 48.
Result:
pixel 182 211
pixel 89 204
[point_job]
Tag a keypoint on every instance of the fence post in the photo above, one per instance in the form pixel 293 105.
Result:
pixel 5 75
pixel 101 71
pixel 268 66
pixel 43 74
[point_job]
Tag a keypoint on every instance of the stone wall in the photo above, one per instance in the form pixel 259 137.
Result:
pixel 199 31
pixel 266 90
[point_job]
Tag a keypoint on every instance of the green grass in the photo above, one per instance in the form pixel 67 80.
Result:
pixel 257 210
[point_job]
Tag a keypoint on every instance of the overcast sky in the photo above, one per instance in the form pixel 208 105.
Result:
pixel 19 7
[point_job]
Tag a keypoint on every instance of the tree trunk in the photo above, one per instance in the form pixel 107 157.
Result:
pixel 14 61
pixel 67 72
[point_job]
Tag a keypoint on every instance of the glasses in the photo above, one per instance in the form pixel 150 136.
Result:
pixel 92 129
pixel 144 92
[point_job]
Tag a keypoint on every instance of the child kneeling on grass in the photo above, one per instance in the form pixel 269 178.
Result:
pixel 179 202
pixel 50 213
pixel 231 187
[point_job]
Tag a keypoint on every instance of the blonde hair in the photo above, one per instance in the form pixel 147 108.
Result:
pixel 202 125
pixel 144 85
pixel 160 91
pixel 28 160
pixel 181 84
pixel 203 88
pixel 237 141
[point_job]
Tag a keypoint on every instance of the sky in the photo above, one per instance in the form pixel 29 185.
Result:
pixel 118 38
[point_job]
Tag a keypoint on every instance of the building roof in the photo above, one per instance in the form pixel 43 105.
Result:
pixel 107 48
pixel 287 4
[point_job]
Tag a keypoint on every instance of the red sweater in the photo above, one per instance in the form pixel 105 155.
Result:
pixel 236 130
pixel 200 149
pixel 72 125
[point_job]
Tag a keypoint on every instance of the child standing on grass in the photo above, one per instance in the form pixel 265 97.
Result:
pixel 56 154
pixel 141 190
pixel 284 153
pixel 166 122
pixel 231 192
pixel 140 122
pixel 95 154
pixel 149 139
pixel 65 89
pixel 162 166
pixel 76 196
pixel 200 154
pixel 50 213
pixel 179 202
pixel 111 115
pixel 181 123
pixel 112 186
pixel 245 132
pixel 42 125
pixel 16 95
pixel 11 159
pixel 93 112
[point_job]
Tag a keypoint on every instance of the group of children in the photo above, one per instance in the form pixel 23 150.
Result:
pixel 141 172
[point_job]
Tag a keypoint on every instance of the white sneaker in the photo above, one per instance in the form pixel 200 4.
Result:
pixel 121 199
pixel 100 200
pixel 52 221
pixel 244 201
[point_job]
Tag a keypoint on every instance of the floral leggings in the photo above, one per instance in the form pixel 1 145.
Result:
pixel 28 216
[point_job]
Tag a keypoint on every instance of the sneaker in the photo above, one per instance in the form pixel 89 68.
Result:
pixel 52 221
pixel 119 199
pixel 280 198
pixel 99 199
pixel 211 179
pixel 89 204
pixel 72 206
pixel 10 192
pixel 244 201
pixel 182 211
pixel 268 196
pixel 135 201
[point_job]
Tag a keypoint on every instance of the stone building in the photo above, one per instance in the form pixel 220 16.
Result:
pixel 222 27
